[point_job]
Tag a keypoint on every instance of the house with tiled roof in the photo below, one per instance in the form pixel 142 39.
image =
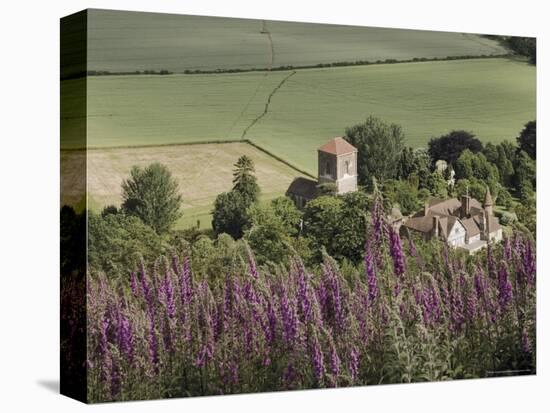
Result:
pixel 336 165
pixel 464 223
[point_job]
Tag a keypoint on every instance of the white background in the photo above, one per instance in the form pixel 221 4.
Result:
pixel 29 206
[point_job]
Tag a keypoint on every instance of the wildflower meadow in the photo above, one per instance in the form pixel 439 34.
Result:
pixel 405 314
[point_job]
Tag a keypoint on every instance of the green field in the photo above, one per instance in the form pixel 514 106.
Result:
pixel 127 41
pixel 202 172
pixel 491 97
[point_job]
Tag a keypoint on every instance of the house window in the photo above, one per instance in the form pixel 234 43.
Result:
pixel 327 168
pixel 346 168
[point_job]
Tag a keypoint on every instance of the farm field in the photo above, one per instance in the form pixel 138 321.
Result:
pixel 129 41
pixel 202 171
pixel 491 97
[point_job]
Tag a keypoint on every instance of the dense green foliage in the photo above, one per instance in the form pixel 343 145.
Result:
pixel 187 327
pixel 117 243
pixel 230 213
pixel 336 224
pixel 449 147
pixel 525 46
pixel 527 139
pixel 379 146
pixel 244 181
pixel 152 195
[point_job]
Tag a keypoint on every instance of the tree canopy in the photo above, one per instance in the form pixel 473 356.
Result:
pixel 527 139
pixel 244 181
pixel 449 147
pixel 230 214
pixel 152 195
pixel 379 146
pixel 117 243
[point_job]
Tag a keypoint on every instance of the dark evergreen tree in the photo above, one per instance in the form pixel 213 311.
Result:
pixel 527 139
pixel 244 181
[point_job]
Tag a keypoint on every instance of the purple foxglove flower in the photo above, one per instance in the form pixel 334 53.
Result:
pixel 303 294
pixel 168 296
pixel 529 262
pixel 252 269
pixel 271 329
pixel 480 284
pixel 186 290
pixel 115 382
pixel 471 305
pixel 334 362
pixel 322 298
pixel 507 249
pixel 372 282
pixel 147 293
pixel 353 363
pixel 125 337
pixel 103 341
pixel 153 345
pixel 317 358
pixel 288 315
pixel 505 295
pixel 289 375
pixel 457 309
pixel 525 343
pixel 396 253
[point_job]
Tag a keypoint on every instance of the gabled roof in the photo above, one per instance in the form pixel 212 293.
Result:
pixel 420 224
pixel 306 188
pixel 338 146
pixel 472 228
pixel 445 207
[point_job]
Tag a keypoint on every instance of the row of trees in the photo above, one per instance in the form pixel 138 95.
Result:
pixel 142 226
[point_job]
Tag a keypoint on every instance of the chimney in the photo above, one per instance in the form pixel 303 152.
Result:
pixel 465 206
pixel 426 208
pixel 435 226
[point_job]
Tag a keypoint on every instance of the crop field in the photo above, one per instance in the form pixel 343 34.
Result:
pixel 129 41
pixel 491 97
pixel 202 171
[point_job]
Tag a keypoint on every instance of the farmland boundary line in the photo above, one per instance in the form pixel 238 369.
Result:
pixel 266 108
pixel 210 142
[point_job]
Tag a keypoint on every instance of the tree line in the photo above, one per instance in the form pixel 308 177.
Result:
pixel 143 225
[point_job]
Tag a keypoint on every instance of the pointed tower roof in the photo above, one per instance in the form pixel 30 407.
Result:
pixel 488 198
pixel 338 146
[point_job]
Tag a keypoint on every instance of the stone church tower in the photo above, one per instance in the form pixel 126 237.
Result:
pixel 337 164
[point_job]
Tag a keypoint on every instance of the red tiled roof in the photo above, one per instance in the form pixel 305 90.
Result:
pixel 338 146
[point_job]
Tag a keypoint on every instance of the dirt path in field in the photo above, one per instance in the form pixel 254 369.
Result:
pixel 271 59
pixel 271 47
pixel 266 108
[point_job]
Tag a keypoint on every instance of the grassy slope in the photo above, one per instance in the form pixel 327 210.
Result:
pixel 128 41
pixel 491 97
pixel 203 171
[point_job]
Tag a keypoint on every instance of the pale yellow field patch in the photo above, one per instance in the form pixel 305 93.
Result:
pixel 203 171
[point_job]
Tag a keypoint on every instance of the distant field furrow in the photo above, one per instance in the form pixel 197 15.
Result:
pixel 130 41
pixel 491 97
